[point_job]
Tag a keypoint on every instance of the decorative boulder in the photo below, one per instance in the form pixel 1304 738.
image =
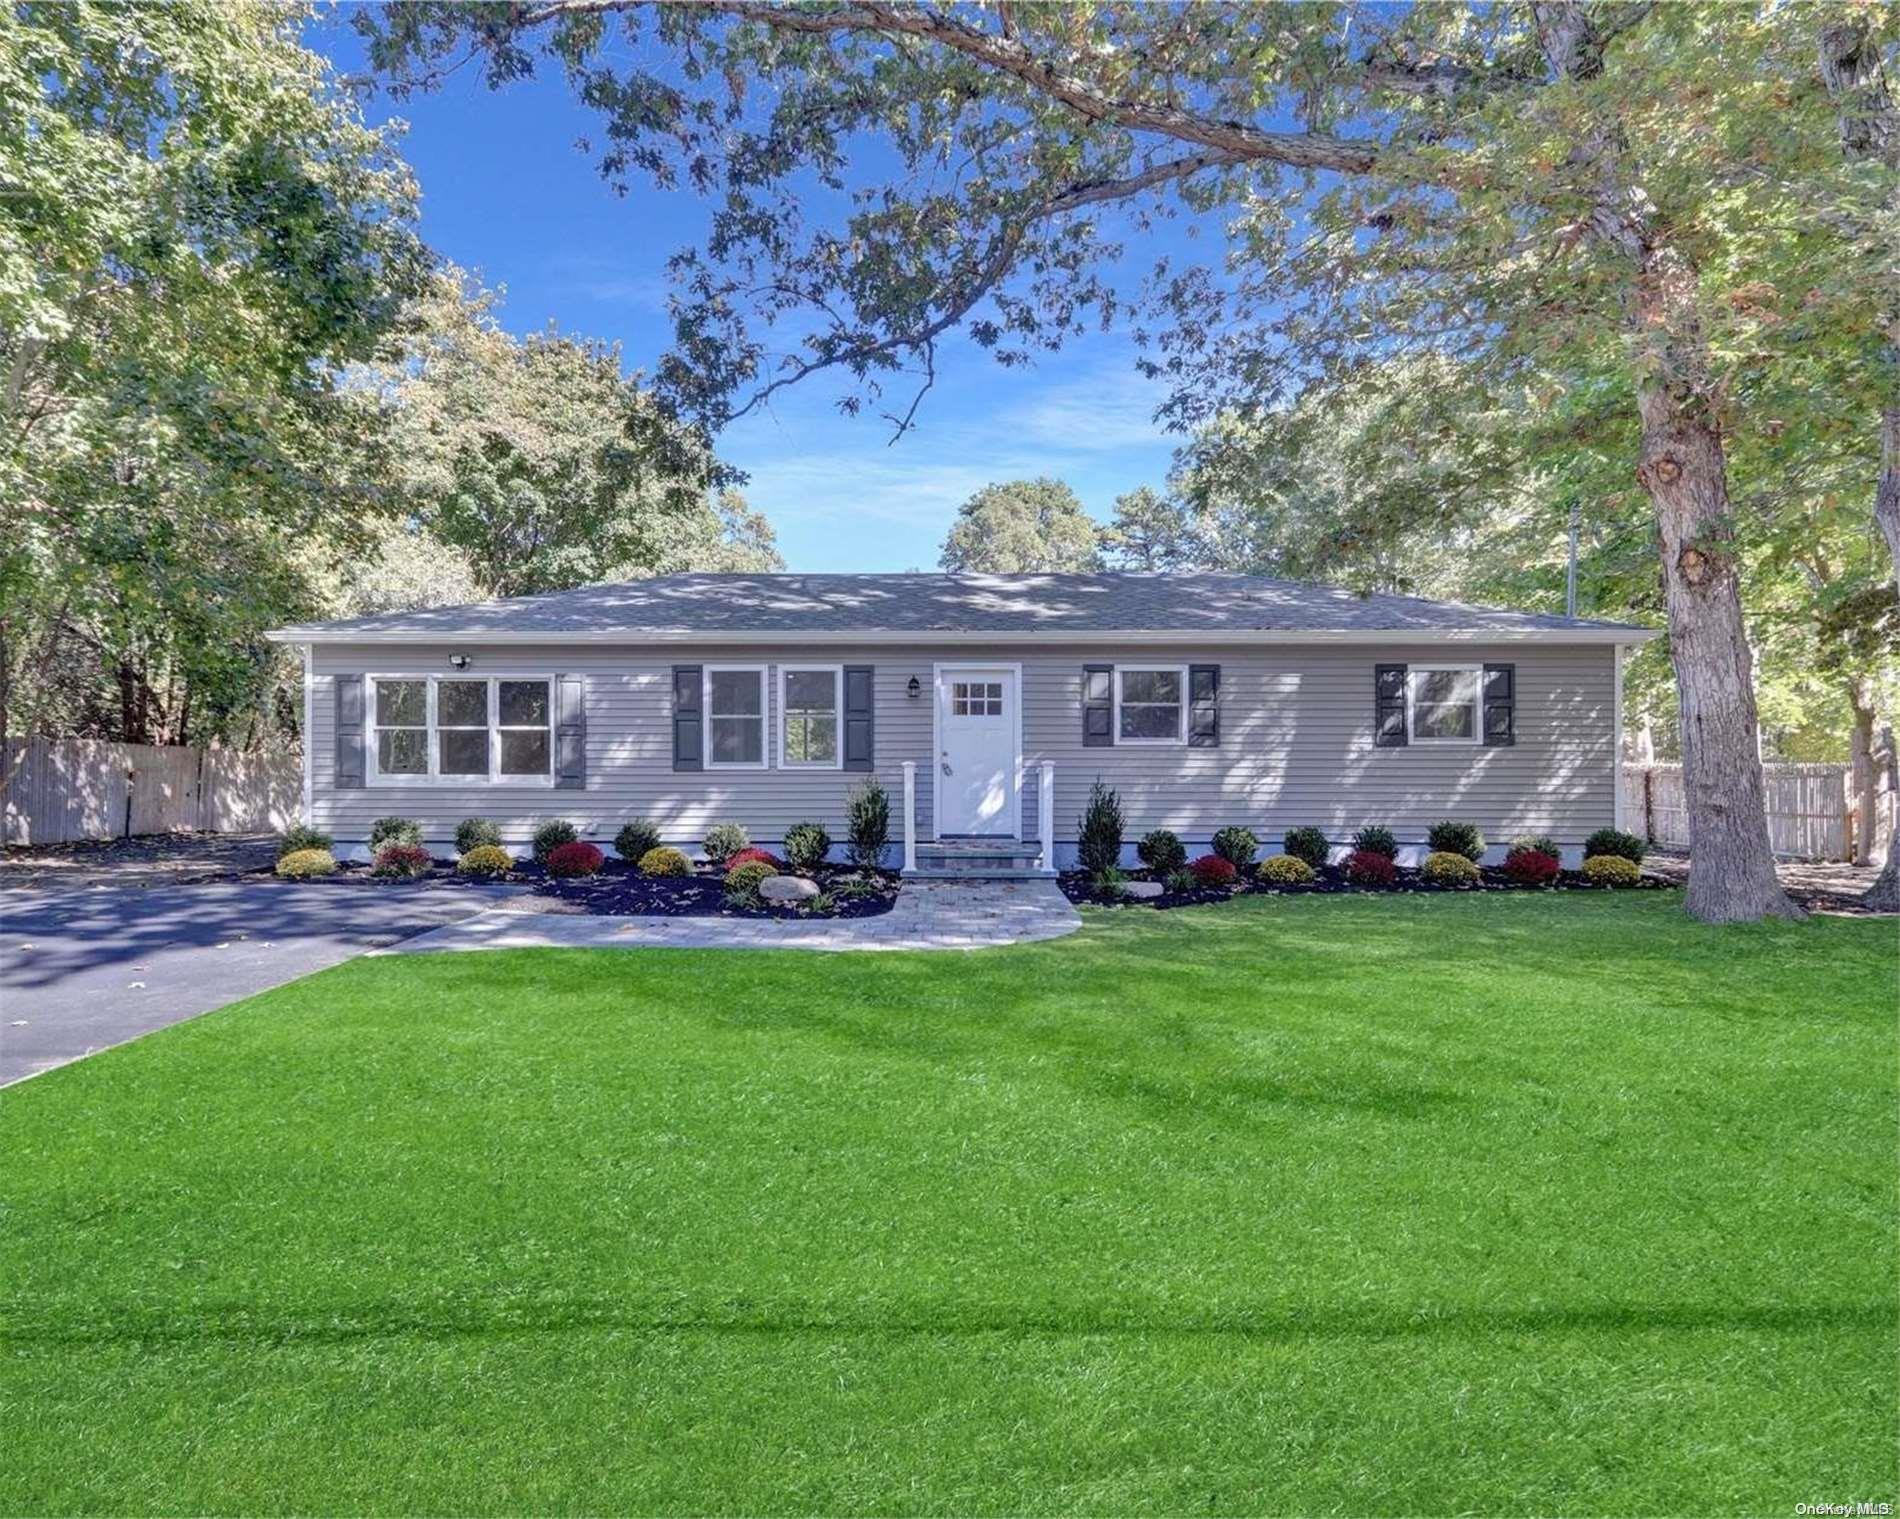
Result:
pixel 787 889
pixel 1142 888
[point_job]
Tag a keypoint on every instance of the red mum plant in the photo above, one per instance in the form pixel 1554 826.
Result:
pixel 576 859
pixel 1532 867
pixel 1212 870
pixel 406 861
pixel 1366 867
pixel 753 856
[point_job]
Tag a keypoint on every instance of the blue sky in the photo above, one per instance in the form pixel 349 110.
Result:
pixel 506 191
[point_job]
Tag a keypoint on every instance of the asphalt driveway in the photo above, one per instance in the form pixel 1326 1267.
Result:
pixel 82 970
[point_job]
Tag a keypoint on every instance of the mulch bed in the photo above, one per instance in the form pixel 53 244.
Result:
pixel 1332 881
pixel 621 891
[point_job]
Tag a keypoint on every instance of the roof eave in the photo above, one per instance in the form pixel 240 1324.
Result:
pixel 1169 636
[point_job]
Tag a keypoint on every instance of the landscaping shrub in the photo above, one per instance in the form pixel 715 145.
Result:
pixel 867 820
pixel 1532 867
pixel 1098 832
pixel 636 838
pixel 724 840
pixel 1162 852
pixel 1306 844
pixel 1376 838
pixel 1182 881
pixel 551 836
pixel 1611 870
pixel 853 887
pixel 754 856
pixel 1543 843
pixel 664 861
pixel 1450 867
pixel 1450 837
pixel 400 862
pixel 575 859
pixel 1108 884
pixel 1285 870
pixel 485 861
pixel 1213 870
pixel 472 833
pixel 394 831
pixel 297 839
pixel 300 864
pixel 742 881
pixel 1371 867
pixel 807 845
pixel 1236 845
pixel 1614 841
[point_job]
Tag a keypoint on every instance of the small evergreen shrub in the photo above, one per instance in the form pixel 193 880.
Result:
pixel 1451 837
pixel 400 862
pixel 1236 845
pixel 1532 867
pixel 724 840
pixel 1543 843
pixel 301 864
pixel 485 862
pixel 297 838
pixel 807 846
pixel 742 881
pixel 1370 867
pixel 1212 870
pixel 1109 884
pixel 472 833
pixel 1285 870
pixel 1099 831
pixel 394 831
pixel 1611 870
pixel 664 861
pixel 575 858
pixel 1376 838
pixel 1162 852
pixel 636 838
pixel 754 856
pixel 1450 867
pixel 867 819
pixel 1181 882
pixel 551 836
pixel 1306 844
pixel 1614 841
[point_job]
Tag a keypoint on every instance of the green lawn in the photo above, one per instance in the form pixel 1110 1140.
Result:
pixel 1422 1205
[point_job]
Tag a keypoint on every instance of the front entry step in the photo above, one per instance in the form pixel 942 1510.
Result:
pixel 979 860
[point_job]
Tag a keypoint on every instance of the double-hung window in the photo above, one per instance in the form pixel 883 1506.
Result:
pixel 1151 704
pixel 734 701
pixel 1442 703
pixel 811 716
pixel 461 728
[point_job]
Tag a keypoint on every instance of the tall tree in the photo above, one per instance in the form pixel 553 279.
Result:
pixel 1509 181
pixel 1022 527
pixel 1152 533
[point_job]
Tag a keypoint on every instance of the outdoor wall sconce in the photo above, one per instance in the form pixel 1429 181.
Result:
pixel 915 688
pixel 459 661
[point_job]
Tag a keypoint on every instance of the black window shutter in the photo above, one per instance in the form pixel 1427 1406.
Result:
pixel 1388 706
pixel 1203 706
pixel 350 774
pixel 1500 705
pixel 1098 706
pixel 860 717
pixel 570 733
pixel 688 730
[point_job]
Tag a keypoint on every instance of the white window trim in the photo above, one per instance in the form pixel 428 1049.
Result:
pixel 372 770
pixel 1412 672
pixel 1181 726
pixel 836 672
pixel 764 761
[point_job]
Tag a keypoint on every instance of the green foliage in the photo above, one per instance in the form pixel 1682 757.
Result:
pixel 1308 844
pixel 742 881
pixel 394 830
pixel 1099 831
pixel 1161 851
pixel 1613 841
pixel 1110 885
pixel 867 813
pixel 1612 870
pixel 723 840
pixel 806 846
pixel 636 838
pixel 1152 534
pixel 1450 867
pixel 1376 838
pixel 298 837
pixel 550 836
pixel 1236 845
pixel 1541 843
pixel 1181 882
pixel 1022 527
pixel 471 833
pixel 1452 837
pixel 302 863
pixel 484 861
pixel 1286 870
pixel 664 861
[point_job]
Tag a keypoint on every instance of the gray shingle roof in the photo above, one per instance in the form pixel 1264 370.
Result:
pixel 682 606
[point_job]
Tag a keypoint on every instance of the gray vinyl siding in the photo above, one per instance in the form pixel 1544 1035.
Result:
pixel 1296 745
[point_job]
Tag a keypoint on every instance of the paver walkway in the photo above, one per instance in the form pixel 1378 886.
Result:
pixel 927 915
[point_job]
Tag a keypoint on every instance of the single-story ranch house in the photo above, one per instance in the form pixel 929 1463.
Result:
pixel 985 704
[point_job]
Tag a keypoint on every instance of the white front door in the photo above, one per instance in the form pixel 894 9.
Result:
pixel 976 762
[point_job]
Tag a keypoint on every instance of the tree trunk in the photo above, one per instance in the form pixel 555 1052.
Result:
pixel 1860 756
pixel 1884 894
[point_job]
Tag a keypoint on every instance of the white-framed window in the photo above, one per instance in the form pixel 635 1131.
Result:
pixel 976 698
pixel 1151 705
pixel 1444 704
pixel 734 702
pixel 453 729
pixel 811 716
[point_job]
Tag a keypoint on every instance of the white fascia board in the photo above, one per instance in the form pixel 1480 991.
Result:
pixel 1113 638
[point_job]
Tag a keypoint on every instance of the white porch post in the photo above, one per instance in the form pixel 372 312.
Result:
pixel 1046 813
pixel 910 816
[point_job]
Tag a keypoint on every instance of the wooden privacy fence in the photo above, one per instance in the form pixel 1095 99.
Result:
pixel 76 788
pixel 1813 811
